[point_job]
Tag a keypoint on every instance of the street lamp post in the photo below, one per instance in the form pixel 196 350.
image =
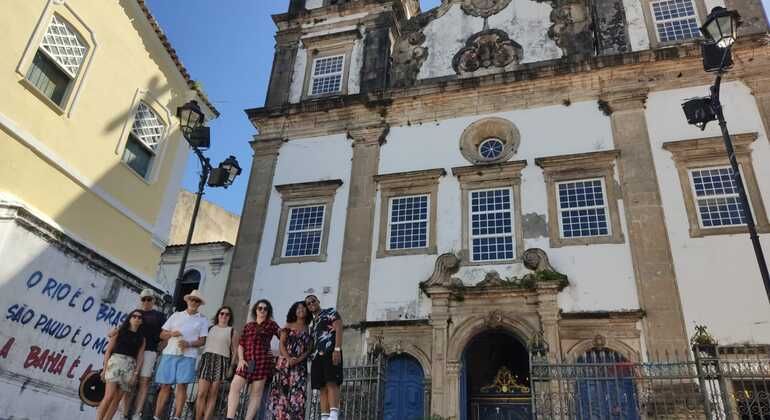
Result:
pixel 720 32
pixel 191 120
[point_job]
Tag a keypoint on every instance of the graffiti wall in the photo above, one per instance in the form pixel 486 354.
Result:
pixel 57 308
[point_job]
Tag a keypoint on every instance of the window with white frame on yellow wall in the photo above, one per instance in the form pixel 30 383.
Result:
pixel 58 60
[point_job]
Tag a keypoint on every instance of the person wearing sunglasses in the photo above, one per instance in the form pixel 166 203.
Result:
pixel 326 357
pixel 185 331
pixel 255 361
pixel 122 363
pixel 152 320
pixel 215 365
pixel 287 394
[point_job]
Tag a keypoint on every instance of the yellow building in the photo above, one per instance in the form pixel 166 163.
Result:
pixel 91 161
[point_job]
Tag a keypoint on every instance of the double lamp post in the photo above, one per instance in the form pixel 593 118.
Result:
pixel 198 136
pixel 720 32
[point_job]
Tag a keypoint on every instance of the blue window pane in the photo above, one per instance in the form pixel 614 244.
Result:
pixel 408 222
pixel 304 231
pixel 491 220
pixel 582 209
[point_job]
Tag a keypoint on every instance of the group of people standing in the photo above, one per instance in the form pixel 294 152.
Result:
pixel 311 334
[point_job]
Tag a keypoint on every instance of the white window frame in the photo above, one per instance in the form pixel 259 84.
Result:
pixel 391 223
pixel 655 22
pixel 288 230
pixel 471 236
pixel 697 199
pixel 63 12
pixel 604 206
pixel 340 73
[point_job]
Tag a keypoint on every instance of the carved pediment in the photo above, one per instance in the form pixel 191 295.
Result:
pixel 490 48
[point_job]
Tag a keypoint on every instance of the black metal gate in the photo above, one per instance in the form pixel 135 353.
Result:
pixel 714 383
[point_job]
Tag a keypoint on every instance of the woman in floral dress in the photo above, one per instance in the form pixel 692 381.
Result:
pixel 287 396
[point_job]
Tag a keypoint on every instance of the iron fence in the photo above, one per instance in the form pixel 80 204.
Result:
pixel 709 383
pixel 362 392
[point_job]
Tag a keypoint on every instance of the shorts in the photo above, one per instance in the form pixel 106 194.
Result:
pixel 149 364
pixel 175 370
pixel 120 370
pixel 323 371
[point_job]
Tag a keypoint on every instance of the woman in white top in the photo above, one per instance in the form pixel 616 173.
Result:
pixel 216 363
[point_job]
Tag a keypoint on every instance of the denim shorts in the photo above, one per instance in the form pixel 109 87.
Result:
pixel 175 370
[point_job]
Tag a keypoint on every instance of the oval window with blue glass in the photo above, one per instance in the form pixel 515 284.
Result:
pixel 491 148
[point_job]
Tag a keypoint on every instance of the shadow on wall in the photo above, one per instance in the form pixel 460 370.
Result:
pixel 61 294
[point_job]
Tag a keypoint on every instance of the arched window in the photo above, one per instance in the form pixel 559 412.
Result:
pixel 191 280
pixel 144 139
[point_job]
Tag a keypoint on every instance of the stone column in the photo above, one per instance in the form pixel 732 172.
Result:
pixel 760 88
pixel 282 73
pixel 244 263
pixel 440 392
pixel 357 246
pixel 664 325
pixel 548 311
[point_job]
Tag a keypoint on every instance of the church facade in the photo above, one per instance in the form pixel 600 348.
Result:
pixel 468 180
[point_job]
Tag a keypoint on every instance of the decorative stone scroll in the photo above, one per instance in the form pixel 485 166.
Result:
pixel 447 264
pixel 486 49
pixel 484 8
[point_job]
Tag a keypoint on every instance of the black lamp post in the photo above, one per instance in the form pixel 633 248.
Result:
pixel 198 136
pixel 720 31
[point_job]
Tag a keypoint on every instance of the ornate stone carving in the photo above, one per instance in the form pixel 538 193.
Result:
pixel 446 265
pixel 484 8
pixel 408 56
pixel 488 48
pixel 600 341
pixel 537 260
pixel 494 319
pixel 571 29
pixel 492 278
pixel 505 383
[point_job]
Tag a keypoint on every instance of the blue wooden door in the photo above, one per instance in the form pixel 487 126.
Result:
pixel 404 389
pixel 606 388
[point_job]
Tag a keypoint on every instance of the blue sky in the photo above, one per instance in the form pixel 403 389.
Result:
pixel 229 49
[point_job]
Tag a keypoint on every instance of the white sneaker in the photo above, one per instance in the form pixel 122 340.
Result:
pixel 136 417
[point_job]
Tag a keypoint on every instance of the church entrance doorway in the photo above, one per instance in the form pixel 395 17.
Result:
pixel 494 378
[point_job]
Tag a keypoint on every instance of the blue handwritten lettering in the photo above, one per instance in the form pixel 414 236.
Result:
pixel 34 279
pixel 100 345
pixel 88 304
pixel 20 314
pixel 71 303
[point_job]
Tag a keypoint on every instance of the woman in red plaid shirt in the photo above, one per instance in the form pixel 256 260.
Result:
pixel 255 362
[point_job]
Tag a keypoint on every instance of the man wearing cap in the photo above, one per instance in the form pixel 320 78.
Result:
pixel 152 320
pixel 185 331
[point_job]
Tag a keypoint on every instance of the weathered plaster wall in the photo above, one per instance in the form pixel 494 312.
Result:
pixel 305 160
pixel 601 276
pixel 213 224
pixel 636 25
pixel 52 305
pixel 212 261
pixel 714 272
pixel 526 22
pixel 313 4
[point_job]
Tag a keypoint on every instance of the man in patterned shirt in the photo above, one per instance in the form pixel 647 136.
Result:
pixel 326 366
